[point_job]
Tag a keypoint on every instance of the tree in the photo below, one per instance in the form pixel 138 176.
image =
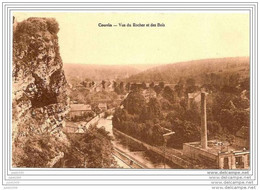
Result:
pixel 84 83
pixel 117 90
pixel 214 128
pixel 245 84
pixel 127 86
pixel 93 149
pixel 234 79
pixel 168 94
pixel 154 108
pixel 166 105
pixel 119 116
pixel 185 131
pixel 103 84
pixel 38 151
pixel 151 85
pixel 144 85
pixel 134 87
pixel 191 132
pixel 161 84
pixel 190 85
pixel 134 102
pixel 157 89
pixel 241 118
pixel 156 137
pixel 227 119
pixel 179 88
pixel 96 109
pixel 114 84
pixel 121 85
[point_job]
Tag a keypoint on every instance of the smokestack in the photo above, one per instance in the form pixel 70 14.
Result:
pixel 203 135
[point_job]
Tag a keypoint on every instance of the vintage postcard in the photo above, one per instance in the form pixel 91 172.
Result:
pixel 121 91
pixel 131 90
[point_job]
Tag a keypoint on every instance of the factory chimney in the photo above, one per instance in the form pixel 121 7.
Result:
pixel 203 133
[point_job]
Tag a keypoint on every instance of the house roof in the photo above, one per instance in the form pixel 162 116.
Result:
pixel 170 85
pixel 80 107
pixel 102 105
pixel 243 132
pixel 194 94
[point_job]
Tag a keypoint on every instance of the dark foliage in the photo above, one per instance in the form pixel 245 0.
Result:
pixel 93 149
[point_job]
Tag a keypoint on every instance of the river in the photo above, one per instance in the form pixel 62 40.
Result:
pixel 141 155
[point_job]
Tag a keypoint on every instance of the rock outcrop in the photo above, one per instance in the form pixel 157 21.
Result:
pixel 39 99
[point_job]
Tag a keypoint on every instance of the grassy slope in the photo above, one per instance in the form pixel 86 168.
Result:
pixel 194 69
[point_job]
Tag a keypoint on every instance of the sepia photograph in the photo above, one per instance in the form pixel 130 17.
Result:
pixel 131 90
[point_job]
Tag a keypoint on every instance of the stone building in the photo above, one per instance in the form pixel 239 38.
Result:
pixel 79 109
pixel 193 97
pixel 215 154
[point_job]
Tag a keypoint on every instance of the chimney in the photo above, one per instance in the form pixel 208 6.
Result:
pixel 189 99
pixel 204 141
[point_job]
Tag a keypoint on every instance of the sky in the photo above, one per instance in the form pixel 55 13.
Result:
pixel 185 36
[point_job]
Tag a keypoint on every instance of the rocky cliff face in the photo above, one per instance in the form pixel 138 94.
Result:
pixel 39 99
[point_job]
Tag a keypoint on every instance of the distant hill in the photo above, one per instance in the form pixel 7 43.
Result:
pixel 79 72
pixel 197 69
